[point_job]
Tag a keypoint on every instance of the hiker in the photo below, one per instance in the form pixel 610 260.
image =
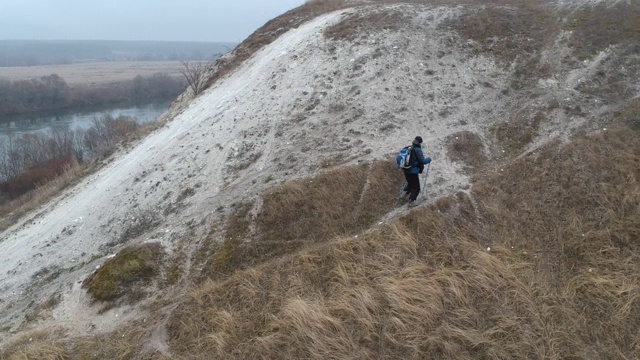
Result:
pixel 412 174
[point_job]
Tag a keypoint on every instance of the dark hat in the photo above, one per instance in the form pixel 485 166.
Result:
pixel 419 139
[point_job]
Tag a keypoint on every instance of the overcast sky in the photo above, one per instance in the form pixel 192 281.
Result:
pixel 179 20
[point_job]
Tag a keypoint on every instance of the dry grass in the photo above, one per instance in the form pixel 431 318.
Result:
pixel 614 28
pixel 339 202
pixel 131 343
pixel 595 28
pixel 613 78
pixel 515 134
pixel 505 274
pixel 630 114
pixel 542 261
pixel 507 32
pixel 130 269
pixel 466 148
pixel 41 345
pixel 514 34
pixel 357 25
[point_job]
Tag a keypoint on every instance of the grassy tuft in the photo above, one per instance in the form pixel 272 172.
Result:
pixel 130 268
pixel 39 344
pixel 519 132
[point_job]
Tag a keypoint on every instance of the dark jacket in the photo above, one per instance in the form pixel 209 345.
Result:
pixel 419 160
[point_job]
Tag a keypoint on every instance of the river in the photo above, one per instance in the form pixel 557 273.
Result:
pixel 79 119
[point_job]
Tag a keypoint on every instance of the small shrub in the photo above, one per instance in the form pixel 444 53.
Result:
pixel 131 267
pixel 33 177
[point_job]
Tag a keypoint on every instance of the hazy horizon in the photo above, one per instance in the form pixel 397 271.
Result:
pixel 138 20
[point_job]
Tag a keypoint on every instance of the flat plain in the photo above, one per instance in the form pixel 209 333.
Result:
pixel 94 73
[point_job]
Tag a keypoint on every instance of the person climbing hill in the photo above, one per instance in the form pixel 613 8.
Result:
pixel 411 174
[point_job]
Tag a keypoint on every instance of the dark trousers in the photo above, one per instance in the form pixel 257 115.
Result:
pixel 413 185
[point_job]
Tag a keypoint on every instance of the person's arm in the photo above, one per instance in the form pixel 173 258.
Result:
pixel 421 158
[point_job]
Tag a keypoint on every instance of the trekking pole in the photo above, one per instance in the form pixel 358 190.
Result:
pixel 426 174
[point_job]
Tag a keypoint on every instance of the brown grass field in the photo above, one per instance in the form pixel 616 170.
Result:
pixel 95 73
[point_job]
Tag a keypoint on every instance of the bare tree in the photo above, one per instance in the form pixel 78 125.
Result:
pixel 194 74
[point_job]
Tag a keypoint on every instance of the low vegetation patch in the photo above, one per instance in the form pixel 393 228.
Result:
pixel 630 114
pixel 359 25
pixel 507 32
pixel 342 201
pixel 225 257
pixel 613 77
pixel 596 28
pixel 514 35
pixel 519 132
pixel 126 273
pixel 339 202
pixel 467 148
pixel 39 344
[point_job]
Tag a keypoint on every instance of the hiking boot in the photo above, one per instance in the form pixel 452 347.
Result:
pixel 413 203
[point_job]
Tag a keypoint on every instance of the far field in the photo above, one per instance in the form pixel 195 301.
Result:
pixel 96 73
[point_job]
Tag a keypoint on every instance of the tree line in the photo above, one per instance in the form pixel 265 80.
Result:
pixel 29 160
pixel 53 93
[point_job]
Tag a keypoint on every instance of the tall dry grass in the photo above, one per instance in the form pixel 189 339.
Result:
pixel 342 201
pixel 541 262
pixel 38 344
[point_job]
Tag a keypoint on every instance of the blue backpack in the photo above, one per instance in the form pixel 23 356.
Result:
pixel 405 157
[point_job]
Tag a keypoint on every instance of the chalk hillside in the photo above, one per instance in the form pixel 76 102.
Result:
pixel 262 220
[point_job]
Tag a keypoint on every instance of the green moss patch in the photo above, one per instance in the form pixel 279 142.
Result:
pixel 133 266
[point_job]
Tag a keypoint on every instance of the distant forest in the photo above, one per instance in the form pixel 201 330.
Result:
pixel 55 52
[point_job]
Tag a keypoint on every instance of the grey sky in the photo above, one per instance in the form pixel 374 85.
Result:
pixel 179 20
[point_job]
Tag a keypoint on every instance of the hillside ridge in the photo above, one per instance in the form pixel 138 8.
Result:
pixel 333 98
